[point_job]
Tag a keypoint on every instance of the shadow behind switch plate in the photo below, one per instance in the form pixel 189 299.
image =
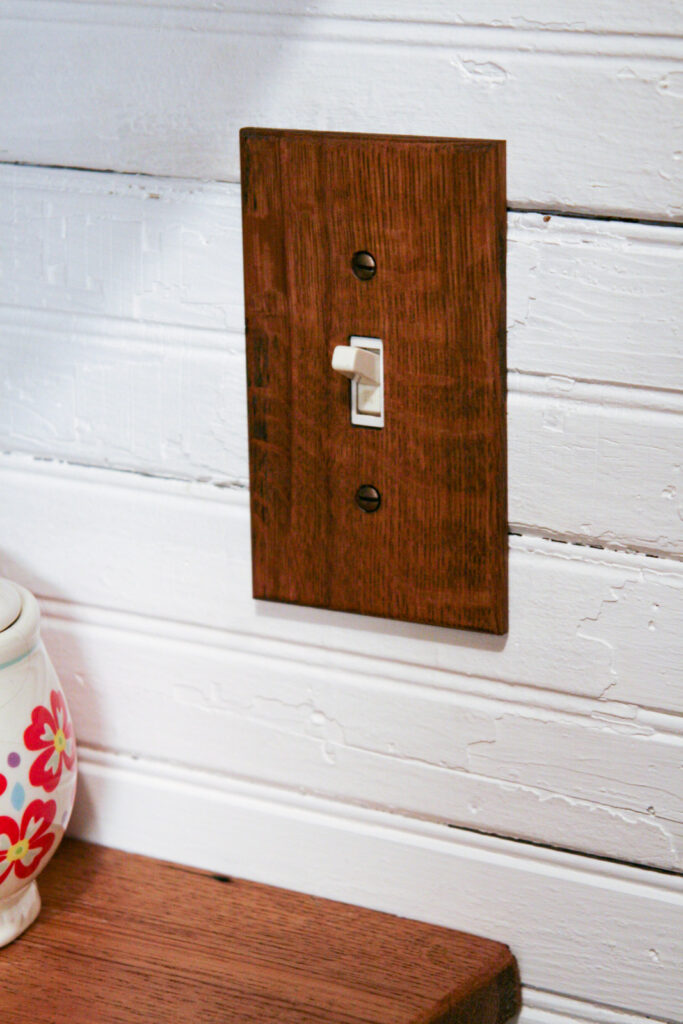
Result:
pixel 432 214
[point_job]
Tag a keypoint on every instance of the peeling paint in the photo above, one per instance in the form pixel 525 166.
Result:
pixel 484 72
pixel 328 732
pixel 671 84
pixel 587 630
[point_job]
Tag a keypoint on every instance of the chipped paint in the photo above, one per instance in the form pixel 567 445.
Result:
pixel 484 72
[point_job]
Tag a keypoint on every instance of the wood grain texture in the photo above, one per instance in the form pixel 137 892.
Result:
pixel 432 212
pixel 561 913
pixel 141 940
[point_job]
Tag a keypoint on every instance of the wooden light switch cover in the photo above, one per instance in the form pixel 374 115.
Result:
pixel 432 213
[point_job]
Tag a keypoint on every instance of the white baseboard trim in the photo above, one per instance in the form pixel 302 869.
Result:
pixel 597 931
pixel 549 1008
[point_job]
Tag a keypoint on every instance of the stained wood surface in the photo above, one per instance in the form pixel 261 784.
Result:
pixel 432 213
pixel 127 939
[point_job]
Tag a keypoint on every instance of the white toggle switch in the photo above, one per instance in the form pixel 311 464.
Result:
pixel 356 363
pixel 361 361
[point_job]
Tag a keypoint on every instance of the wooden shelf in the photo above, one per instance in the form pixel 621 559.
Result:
pixel 124 939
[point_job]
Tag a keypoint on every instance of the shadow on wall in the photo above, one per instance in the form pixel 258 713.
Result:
pixel 217 87
pixel 322 619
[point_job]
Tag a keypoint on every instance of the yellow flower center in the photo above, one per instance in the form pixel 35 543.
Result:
pixel 17 851
pixel 60 741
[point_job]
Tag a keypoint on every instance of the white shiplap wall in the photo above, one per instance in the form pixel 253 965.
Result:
pixel 524 787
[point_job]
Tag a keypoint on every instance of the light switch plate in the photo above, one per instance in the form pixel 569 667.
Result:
pixel 432 213
pixel 360 415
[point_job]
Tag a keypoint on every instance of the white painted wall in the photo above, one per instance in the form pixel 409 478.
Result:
pixel 526 787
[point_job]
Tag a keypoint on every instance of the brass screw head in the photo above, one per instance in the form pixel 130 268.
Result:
pixel 368 498
pixel 363 265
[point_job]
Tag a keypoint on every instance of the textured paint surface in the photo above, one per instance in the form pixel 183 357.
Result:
pixel 170 86
pixel 570 741
pixel 122 342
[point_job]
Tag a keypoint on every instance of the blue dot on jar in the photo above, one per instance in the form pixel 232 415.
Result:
pixel 14 760
pixel 18 796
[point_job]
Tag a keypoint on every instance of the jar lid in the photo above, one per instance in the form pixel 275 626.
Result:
pixel 10 605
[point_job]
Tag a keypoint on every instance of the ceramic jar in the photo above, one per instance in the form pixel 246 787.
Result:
pixel 37 760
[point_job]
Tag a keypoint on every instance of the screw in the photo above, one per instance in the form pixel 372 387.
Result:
pixel 363 265
pixel 367 498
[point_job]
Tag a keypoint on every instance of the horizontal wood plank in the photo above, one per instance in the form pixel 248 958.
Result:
pixel 581 773
pixel 591 463
pixel 106 365
pixel 123 255
pixel 594 465
pixel 561 914
pixel 610 622
pixel 136 260
pixel 533 87
pixel 658 17
pixel 550 1008
pixel 160 942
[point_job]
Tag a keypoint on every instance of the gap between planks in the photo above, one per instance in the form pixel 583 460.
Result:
pixel 203 486
pixel 173 179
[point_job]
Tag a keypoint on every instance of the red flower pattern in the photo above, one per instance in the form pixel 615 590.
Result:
pixel 22 847
pixel 50 732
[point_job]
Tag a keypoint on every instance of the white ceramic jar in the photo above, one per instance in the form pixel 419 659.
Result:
pixel 37 760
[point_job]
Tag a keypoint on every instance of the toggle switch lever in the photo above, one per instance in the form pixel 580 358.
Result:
pixel 362 362
pixel 357 364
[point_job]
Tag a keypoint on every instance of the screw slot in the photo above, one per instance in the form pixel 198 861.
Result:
pixel 368 498
pixel 363 265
